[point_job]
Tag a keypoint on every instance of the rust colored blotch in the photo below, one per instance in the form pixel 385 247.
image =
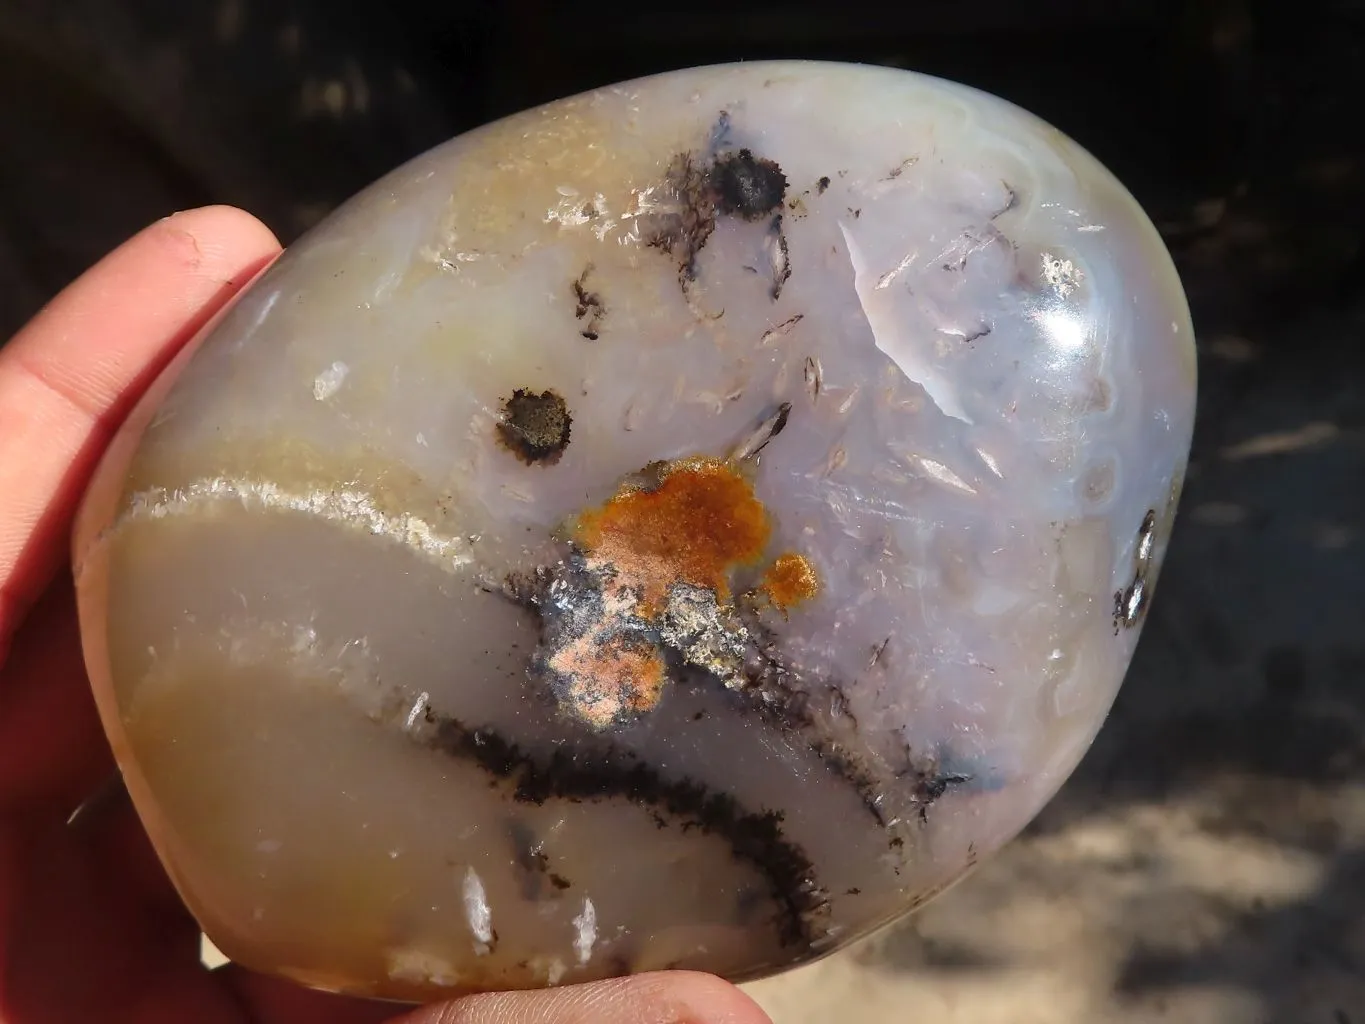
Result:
pixel 610 677
pixel 790 580
pixel 700 522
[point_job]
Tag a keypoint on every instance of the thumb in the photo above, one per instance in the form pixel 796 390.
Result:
pixel 665 997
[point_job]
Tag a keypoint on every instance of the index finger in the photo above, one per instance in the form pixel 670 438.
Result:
pixel 72 374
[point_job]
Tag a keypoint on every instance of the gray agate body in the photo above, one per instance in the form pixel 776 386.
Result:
pixel 685 525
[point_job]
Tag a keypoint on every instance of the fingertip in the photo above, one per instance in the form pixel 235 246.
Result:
pixel 219 231
pixel 662 997
pixel 702 998
pixel 218 244
pixel 145 296
pixel 71 375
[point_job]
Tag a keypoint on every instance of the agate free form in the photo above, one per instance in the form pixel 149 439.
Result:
pixel 685 525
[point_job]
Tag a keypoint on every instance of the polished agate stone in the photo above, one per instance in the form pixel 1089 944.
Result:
pixel 685 525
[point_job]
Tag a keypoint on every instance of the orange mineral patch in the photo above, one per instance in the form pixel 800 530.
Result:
pixel 698 524
pixel 692 524
pixel 610 676
pixel 790 580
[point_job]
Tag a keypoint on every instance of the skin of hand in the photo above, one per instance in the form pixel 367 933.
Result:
pixel 90 927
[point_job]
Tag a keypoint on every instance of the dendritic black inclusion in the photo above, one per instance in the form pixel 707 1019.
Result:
pixel 606 772
pixel 725 647
pixel 746 185
pixel 725 182
pixel 730 649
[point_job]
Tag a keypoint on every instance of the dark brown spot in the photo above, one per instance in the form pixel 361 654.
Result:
pixel 822 184
pixel 747 186
pixel 779 255
pixel 535 427
pixel 589 306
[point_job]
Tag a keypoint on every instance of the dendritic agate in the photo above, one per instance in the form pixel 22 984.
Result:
pixel 683 525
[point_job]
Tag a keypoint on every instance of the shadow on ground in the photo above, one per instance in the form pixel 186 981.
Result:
pixel 1207 861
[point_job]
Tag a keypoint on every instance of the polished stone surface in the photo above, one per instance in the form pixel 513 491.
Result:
pixel 688 524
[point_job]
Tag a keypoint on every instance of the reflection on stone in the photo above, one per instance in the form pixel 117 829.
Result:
pixel 684 525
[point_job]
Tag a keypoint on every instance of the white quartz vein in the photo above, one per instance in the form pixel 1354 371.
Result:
pixel 350 508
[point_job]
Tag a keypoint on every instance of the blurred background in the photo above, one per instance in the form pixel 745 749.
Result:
pixel 1207 862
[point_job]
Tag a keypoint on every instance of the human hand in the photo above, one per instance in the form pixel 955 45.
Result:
pixel 90 927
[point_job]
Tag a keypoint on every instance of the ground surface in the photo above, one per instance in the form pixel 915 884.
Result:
pixel 1206 865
